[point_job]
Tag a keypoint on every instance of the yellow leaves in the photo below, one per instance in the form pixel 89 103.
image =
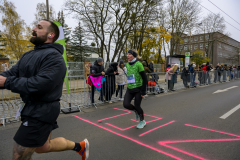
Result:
pixel 15 33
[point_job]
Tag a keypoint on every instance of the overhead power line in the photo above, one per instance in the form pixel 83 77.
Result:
pixel 215 14
pixel 224 12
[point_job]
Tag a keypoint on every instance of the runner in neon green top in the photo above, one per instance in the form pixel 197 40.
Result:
pixel 137 83
pixel 134 72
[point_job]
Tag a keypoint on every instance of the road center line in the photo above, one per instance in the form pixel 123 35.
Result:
pixel 230 112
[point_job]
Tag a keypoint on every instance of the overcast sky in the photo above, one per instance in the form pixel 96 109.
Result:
pixel 27 9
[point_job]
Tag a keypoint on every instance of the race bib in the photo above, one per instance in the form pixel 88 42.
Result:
pixel 130 78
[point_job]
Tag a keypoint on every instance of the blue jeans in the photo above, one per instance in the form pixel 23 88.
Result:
pixel 192 79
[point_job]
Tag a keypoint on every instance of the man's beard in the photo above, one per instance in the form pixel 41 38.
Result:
pixel 38 40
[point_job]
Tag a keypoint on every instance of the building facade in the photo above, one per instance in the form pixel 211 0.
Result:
pixel 218 47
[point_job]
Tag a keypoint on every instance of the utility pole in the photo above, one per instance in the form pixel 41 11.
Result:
pixel 47 9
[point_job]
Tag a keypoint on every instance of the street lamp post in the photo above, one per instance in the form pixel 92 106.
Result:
pixel 47 9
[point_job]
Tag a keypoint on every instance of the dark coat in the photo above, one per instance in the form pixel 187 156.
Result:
pixel 110 80
pixel 38 77
pixel 96 69
pixel 185 75
pixel 151 67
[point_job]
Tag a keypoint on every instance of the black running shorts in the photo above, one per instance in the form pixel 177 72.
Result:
pixel 33 133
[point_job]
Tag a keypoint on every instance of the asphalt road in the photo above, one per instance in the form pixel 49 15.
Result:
pixel 182 125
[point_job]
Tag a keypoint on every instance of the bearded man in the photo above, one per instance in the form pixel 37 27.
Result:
pixel 38 77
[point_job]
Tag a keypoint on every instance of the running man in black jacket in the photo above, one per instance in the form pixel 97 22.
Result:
pixel 38 77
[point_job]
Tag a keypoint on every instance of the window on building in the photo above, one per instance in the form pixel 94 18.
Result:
pixel 185 48
pixel 206 45
pixel 190 47
pixel 185 40
pixel 180 47
pixel 191 39
pixel 201 46
pixel 207 36
pixel 196 38
pixel 201 38
pixel 195 46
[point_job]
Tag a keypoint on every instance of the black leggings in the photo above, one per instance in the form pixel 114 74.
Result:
pixel 137 102
pixel 120 88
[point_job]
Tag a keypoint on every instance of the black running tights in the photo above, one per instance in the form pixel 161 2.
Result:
pixel 137 102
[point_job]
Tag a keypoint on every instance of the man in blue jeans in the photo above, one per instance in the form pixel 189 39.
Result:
pixel 192 75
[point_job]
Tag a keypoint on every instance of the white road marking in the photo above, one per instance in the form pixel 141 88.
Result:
pixel 230 112
pixel 224 90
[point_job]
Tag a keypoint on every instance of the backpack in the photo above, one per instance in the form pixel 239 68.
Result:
pixel 204 68
pixel 88 81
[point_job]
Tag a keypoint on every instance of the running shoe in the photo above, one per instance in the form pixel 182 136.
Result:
pixel 84 152
pixel 110 102
pixel 141 124
pixel 120 99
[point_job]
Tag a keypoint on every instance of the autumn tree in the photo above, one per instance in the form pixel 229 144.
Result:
pixel 41 13
pixel 16 33
pixel 199 57
pixel 181 17
pixel 211 26
pixel 78 45
pixel 153 41
pixel 111 22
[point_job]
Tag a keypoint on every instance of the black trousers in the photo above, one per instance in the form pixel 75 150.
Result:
pixel 170 85
pixel 92 93
pixel 120 89
pixel 137 103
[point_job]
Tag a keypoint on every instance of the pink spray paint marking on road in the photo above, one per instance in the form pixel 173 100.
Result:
pixel 124 129
pixel 155 128
pixel 131 139
pixel 230 134
pixel 128 112
pixel 164 143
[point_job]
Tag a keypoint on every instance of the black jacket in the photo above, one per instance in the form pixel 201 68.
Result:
pixel 38 77
pixel 110 80
pixel 96 69
pixel 151 67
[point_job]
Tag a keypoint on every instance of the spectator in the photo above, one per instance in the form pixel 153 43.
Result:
pixel 171 77
pixel 145 65
pixel 204 74
pixel 234 72
pixel 208 78
pixel 238 70
pixel 192 71
pixel 225 70
pixel 217 74
pixel 121 79
pixel 97 70
pixel 168 67
pixel 87 69
pixel 200 76
pixel 230 74
pixel 151 67
pixel 185 76
pixel 111 81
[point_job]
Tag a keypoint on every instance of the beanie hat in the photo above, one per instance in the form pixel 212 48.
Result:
pixel 133 53
pixel 99 59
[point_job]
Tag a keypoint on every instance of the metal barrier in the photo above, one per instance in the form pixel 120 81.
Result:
pixel 81 95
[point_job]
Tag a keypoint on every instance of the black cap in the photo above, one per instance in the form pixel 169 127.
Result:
pixel 133 53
